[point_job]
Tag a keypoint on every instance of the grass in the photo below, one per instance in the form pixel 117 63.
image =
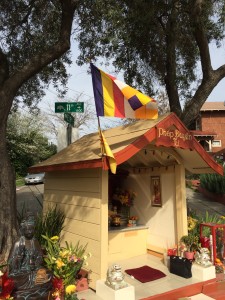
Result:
pixel 20 182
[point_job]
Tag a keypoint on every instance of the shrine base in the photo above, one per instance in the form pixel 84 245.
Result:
pixel 105 292
pixel 203 273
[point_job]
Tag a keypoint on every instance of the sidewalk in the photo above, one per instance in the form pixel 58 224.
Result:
pixel 198 203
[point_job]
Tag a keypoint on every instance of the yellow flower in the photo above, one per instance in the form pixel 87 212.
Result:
pixel 59 263
pixel 54 238
pixel 70 289
pixel 191 223
pixel 64 253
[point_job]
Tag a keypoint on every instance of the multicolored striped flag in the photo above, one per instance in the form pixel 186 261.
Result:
pixel 114 98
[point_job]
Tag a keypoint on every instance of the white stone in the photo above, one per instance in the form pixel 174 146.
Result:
pixel 201 297
pixel 107 293
pixel 203 273
pixel 166 259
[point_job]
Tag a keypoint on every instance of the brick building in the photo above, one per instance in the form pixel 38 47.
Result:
pixel 210 128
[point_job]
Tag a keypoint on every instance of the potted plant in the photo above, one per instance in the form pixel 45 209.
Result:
pixel 191 244
pixel 65 264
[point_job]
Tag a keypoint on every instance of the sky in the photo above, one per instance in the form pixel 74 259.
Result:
pixel 218 59
pixel 81 82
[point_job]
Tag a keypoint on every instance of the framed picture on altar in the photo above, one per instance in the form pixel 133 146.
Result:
pixel 156 191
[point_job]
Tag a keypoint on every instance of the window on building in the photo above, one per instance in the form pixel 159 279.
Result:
pixel 216 143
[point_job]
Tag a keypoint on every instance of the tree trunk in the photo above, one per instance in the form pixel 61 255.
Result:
pixel 8 219
pixel 9 87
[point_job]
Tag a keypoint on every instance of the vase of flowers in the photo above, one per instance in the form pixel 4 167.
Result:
pixel 123 199
pixel 65 264
pixel 191 243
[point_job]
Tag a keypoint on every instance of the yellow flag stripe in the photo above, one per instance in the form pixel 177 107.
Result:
pixel 109 104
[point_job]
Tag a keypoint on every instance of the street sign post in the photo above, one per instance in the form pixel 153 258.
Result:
pixel 68 107
pixel 69 119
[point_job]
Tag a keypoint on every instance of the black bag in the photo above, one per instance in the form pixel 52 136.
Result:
pixel 180 266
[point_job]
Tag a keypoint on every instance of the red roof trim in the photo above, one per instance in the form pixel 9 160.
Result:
pixel 71 166
pixel 150 135
pixel 131 150
pixel 136 146
pixel 147 138
pixel 207 158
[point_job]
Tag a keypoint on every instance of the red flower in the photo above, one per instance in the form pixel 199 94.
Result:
pixel 57 283
pixel 7 286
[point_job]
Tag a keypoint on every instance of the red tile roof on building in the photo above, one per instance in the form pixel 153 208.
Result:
pixel 213 106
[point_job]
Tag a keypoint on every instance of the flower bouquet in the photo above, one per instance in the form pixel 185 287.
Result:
pixel 132 221
pixel 7 286
pixel 124 197
pixel 122 200
pixel 6 283
pixel 65 264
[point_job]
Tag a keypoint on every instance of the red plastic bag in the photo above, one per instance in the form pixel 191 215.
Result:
pixel 172 251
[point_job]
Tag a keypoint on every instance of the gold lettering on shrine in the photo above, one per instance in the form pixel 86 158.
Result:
pixel 175 136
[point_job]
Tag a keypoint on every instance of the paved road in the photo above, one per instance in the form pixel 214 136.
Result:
pixel 200 204
pixel 30 197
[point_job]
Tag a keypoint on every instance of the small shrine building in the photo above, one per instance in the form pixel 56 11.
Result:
pixel 153 157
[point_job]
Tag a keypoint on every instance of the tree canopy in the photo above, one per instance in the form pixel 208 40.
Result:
pixel 34 51
pixel 28 28
pixel 27 142
pixel 157 43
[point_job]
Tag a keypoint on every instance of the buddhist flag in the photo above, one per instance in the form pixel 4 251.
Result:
pixel 106 151
pixel 114 98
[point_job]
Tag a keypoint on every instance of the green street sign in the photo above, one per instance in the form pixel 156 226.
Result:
pixel 69 118
pixel 62 107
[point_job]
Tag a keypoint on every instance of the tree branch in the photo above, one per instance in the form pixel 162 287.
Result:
pixel 39 61
pixel 204 90
pixel 201 38
pixel 4 70
pixel 170 77
pixel 210 77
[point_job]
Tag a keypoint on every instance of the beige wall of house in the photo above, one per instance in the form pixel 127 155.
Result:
pixel 83 196
pixel 168 223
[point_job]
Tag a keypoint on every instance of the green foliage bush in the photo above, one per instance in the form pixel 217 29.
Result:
pixel 49 224
pixel 204 218
pixel 214 183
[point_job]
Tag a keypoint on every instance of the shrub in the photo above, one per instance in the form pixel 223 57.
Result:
pixel 214 183
pixel 49 224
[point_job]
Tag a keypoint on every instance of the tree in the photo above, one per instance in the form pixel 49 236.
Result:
pixel 81 120
pixel 157 43
pixel 35 39
pixel 26 141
